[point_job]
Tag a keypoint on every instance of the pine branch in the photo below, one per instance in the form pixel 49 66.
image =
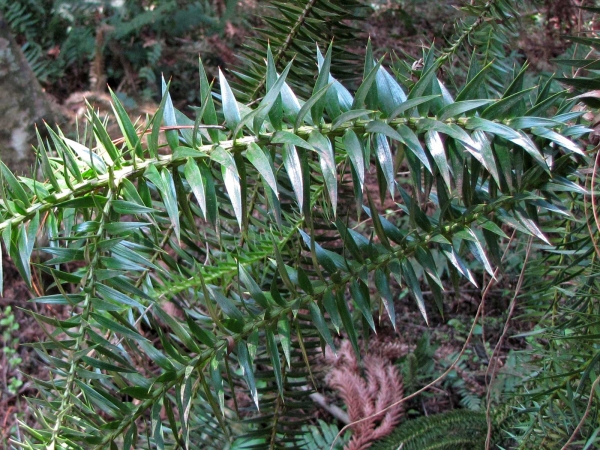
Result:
pixel 281 51
pixel 291 35
pixel 233 228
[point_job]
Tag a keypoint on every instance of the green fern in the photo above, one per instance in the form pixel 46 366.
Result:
pixel 47 25
pixel 321 437
pixel 448 431
pixel 419 364
pixel 60 35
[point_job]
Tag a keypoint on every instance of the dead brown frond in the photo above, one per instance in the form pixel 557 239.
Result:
pixel 367 389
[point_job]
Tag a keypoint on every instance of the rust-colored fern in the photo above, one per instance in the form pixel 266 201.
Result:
pixel 367 389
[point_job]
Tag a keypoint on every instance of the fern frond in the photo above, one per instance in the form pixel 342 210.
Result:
pixel 447 431
pixel 321 436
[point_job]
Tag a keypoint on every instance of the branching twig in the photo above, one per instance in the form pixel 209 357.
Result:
pixel 585 414
pixel 334 410
pixel 289 40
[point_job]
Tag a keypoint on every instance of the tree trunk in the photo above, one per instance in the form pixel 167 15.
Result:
pixel 23 104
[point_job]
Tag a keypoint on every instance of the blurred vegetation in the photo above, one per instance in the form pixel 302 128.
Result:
pixel 75 45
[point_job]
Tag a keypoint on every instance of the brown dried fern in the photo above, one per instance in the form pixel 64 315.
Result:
pixel 365 391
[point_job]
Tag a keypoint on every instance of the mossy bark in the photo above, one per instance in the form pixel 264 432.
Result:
pixel 23 104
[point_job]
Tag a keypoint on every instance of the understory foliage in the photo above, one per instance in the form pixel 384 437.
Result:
pixel 200 266
pixel 447 431
pixel 559 399
pixel 94 41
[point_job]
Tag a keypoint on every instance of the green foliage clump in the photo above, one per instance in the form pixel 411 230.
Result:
pixel 9 326
pixel 556 403
pixel 321 436
pixel 446 431
pixel 68 38
pixel 53 34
